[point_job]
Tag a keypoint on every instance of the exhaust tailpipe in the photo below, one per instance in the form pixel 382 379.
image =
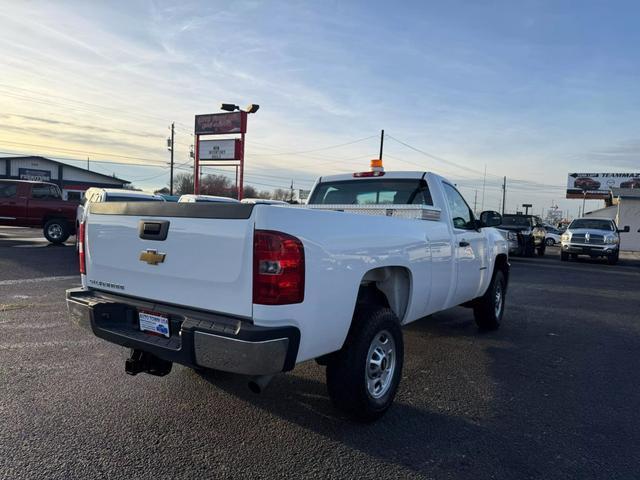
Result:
pixel 259 384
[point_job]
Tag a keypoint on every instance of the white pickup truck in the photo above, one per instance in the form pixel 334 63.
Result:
pixel 257 289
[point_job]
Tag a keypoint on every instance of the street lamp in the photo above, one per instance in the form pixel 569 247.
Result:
pixel 232 107
pixel 251 108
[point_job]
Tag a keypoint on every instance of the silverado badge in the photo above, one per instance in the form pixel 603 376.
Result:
pixel 152 257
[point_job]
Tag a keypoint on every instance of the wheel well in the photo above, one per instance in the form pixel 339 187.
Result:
pixel 502 264
pixel 387 287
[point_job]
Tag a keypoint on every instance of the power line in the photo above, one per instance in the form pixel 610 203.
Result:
pixel 84 152
pixel 449 162
pixel 318 149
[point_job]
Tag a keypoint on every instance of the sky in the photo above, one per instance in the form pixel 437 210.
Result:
pixel 530 90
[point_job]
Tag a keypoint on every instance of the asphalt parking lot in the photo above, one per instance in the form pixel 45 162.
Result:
pixel 554 394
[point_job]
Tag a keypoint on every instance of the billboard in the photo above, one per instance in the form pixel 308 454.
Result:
pixel 219 149
pixel 221 123
pixel 34 175
pixel 596 186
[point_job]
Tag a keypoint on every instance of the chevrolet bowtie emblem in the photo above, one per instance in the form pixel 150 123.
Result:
pixel 587 237
pixel 152 257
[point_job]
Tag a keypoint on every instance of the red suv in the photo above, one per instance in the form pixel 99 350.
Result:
pixel 633 183
pixel 586 183
pixel 37 204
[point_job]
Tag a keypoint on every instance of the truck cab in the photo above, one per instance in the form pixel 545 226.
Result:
pixel 39 205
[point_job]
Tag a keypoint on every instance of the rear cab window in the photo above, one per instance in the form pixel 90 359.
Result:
pixel 372 192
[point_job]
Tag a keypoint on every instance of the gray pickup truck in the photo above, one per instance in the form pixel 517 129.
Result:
pixel 596 237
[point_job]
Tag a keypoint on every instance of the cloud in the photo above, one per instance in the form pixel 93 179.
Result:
pixel 624 154
pixel 80 126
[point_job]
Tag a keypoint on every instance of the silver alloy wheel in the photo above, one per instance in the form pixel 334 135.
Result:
pixel 55 231
pixel 381 364
pixel 498 299
pixel 550 242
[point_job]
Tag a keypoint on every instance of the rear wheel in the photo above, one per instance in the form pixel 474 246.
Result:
pixel 363 377
pixel 549 242
pixel 56 230
pixel 489 308
pixel 529 248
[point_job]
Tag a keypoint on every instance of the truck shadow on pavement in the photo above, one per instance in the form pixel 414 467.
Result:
pixel 532 401
pixel 409 437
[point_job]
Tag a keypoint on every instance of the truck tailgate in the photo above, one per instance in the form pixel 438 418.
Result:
pixel 205 261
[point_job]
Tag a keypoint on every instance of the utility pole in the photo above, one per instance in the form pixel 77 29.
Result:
pixel 87 163
pixel 291 192
pixel 584 199
pixel 475 202
pixel 381 143
pixel 171 149
pixel 504 192
pixel 484 182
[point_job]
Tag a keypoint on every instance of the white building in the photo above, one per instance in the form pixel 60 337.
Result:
pixel 624 208
pixel 73 181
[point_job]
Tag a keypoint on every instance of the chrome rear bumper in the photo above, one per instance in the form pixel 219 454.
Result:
pixel 197 338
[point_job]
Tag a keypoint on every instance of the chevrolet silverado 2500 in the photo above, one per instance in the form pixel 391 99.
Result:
pixel 257 289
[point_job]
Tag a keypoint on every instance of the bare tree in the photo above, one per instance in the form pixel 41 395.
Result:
pixel 183 183
pixel 280 194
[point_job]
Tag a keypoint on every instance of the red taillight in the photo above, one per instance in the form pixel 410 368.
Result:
pixel 278 268
pixel 80 233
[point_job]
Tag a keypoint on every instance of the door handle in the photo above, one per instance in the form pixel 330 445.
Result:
pixel 464 243
pixel 153 229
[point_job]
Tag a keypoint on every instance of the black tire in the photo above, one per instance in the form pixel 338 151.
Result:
pixel 349 382
pixel 529 249
pixel 613 259
pixel 574 256
pixel 486 310
pixel 56 231
pixel 564 256
pixel 541 250
pixel 549 242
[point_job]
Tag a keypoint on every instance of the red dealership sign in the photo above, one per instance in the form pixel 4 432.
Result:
pixel 221 123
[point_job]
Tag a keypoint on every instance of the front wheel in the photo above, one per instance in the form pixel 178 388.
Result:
pixel 541 250
pixel 613 258
pixel 56 231
pixel 363 377
pixel 489 308
pixel 564 256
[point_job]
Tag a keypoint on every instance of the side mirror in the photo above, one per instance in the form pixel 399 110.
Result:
pixel 624 230
pixel 489 218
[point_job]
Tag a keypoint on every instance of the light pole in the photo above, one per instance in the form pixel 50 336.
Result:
pixel 251 108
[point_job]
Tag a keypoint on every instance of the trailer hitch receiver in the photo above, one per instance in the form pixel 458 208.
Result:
pixel 145 362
